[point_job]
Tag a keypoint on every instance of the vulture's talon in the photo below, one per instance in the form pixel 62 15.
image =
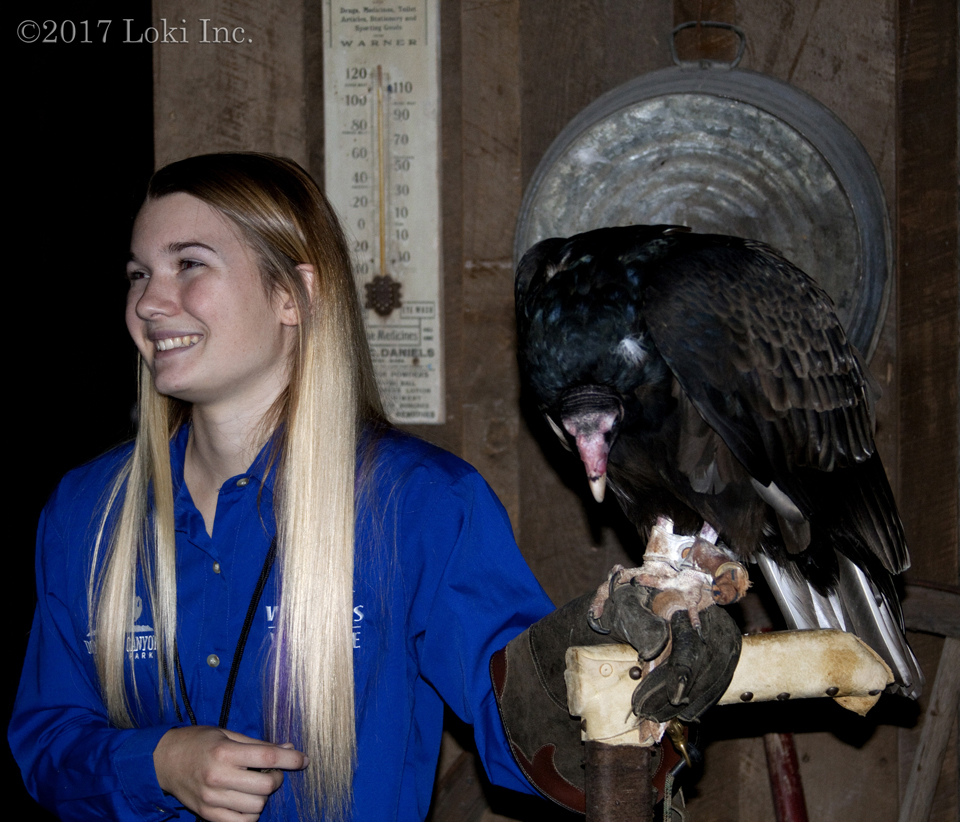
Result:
pixel 594 623
pixel 615 579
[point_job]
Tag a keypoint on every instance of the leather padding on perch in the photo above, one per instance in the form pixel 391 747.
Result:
pixel 775 666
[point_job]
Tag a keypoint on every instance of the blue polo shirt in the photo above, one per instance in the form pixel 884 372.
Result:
pixel 439 586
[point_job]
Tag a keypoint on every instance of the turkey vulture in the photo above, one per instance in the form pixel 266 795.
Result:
pixel 707 379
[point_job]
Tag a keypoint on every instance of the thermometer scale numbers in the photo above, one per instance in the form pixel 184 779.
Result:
pixel 382 175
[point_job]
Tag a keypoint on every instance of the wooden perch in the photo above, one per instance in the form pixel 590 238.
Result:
pixel 780 665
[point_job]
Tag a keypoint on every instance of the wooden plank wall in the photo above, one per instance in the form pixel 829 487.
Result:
pixel 927 229
pixel 514 72
pixel 245 94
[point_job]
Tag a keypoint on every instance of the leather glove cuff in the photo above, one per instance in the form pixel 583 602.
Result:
pixel 531 694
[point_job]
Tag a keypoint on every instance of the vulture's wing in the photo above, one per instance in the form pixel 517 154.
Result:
pixel 758 350
pixel 757 347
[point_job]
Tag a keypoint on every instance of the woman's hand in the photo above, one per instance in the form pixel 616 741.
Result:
pixel 217 773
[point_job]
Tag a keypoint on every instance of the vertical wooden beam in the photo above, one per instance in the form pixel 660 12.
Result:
pixel 927 168
pixel 927 258
pixel 490 37
pixel 236 84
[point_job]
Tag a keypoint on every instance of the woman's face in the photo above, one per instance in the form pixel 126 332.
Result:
pixel 198 311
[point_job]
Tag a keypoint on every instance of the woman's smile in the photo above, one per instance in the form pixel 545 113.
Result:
pixel 169 343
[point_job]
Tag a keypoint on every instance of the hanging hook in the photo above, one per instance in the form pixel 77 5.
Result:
pixel 704 64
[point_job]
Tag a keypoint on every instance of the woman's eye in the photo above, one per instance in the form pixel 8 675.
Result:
pixel 133 276
pixel 186 265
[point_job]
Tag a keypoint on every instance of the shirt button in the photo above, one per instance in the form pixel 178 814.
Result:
pixel 216 567
pixel 213 660
pixel 243 481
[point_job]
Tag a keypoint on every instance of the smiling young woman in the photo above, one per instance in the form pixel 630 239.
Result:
pixel 181 665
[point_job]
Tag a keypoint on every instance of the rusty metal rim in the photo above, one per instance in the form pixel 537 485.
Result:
pixel 822 129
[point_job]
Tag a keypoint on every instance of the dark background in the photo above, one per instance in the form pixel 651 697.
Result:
pixel 81 117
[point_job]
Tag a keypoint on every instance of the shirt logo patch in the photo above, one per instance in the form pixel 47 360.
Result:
pixel 271 611
pixel 141 642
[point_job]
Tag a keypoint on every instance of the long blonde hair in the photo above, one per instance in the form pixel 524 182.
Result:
pixel 318 419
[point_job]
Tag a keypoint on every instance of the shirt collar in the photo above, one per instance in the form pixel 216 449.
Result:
pixel 187 518
pixel 261 470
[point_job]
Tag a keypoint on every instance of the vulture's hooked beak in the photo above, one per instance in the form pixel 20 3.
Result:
pixel 598 486
pixel 594 432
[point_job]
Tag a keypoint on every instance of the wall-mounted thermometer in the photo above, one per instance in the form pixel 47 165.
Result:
pixel 381 121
